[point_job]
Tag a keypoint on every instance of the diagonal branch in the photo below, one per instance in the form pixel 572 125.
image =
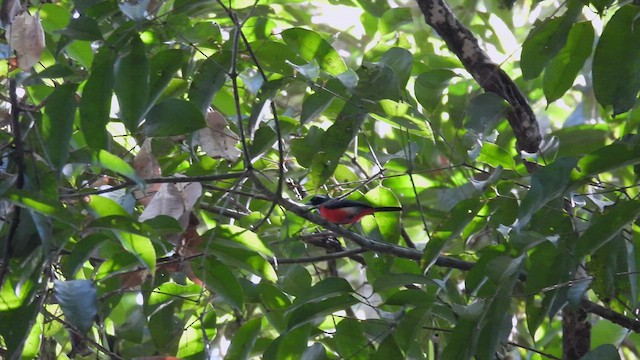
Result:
pixel 489 75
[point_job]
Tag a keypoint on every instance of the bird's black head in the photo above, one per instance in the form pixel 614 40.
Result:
pixel 319 199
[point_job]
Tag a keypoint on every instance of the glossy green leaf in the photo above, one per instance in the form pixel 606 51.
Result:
pixel 566 65
pixel 608 158
pixel 484 112
pixel 616 83
pixel 57 124
pixel 242 238
pixel 250 260
pixel 95 105
pixel 324 289
pixel 208 80
pixel 603 352
pixel 140 247
pixel 40 204
pixel 607 226
pixel 220 280
pixel 401 62
pixel 590 138
pixel 394 18
pixel 311 46
pixel 131 83
pixel 82 252
pixel 82 28
pixel 350 340
pixel 161 119
pixel 296 281
pixel 546 40
pixel 163 67
pixel 547 184
pixel 310 311
pixel 494 155
pixel 54 17
pixel 78 301
pixel 244 340
pixel 429 87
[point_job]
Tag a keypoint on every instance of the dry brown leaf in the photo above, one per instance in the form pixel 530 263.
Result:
pixel 175 200
pixel 26 36
pixel 147 166
pixel 217 140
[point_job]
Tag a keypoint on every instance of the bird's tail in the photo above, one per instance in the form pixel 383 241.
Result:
pixel 387 208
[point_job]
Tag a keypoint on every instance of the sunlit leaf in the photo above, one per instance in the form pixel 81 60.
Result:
pixel 616 83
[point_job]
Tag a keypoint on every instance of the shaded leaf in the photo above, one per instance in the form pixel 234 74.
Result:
pixel 161 119
pixel 313 310
pixel 95 105
pixel 57 125
pixel 208 80
pixel 607 226
pixel 616 83
pixel 603 352
pixel 131 83
pixel 78 301
pixel 244 339
pixel 547 184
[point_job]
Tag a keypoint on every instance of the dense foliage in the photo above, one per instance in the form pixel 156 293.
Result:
pixel 157 157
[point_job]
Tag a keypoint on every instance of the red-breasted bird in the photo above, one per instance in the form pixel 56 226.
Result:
pixel 345 211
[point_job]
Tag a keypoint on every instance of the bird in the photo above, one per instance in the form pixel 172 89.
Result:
pixel 345 211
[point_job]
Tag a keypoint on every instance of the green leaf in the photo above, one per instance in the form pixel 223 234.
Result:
pixel 484 112
pixel 78 301
pixel 616 83
pixel 323 289
pixel 274 56
pixel 220 280
pixel 131 83
pixel 208 80
pixel 54 71
pixel 398 280
pixel 236 255
pixel 607 226
pixel 140 247
pixel 377 81
pixel 57 124
pixel 311 46
pixel 430 85
pixel 54 17
pixel 296 281
pixel 400 60
pixel 313 310
pixel 350 340
pixel 40 204
pixel 244 340
pixel 545 40
pixel 95 105
pixel 82 28
pixel 495 156
pixel 547 184
pixel 603 352
pixel 582 139
pixel 161 119
pixel 392 19
pixel 163 67
pixel 610 157
pixel 566 65
pixel 241 237
pixel 82 252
